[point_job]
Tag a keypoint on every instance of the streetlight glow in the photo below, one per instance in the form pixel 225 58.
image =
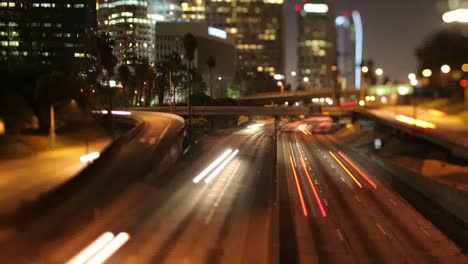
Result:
pixel 279 83
pixel 306 79
pixel 459 15
pixel 293 73
pixel 412 76
pixel 379 72
pixel 445 68
pixel 427 73
pixel 465 67
pixel 365 69
pixel 414 82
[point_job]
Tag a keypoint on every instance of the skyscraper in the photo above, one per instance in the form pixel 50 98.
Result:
pixel 349 47
pixel 47 32
pixel 316 45
pixel 131 24
pixel 257 26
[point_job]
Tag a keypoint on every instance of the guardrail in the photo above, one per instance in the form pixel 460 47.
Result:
pixel 250 110
pixel 455 149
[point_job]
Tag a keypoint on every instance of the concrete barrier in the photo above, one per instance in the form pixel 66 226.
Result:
pixel 449 198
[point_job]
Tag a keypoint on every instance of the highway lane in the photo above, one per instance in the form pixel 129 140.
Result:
pixel 225 221
pixel 368 224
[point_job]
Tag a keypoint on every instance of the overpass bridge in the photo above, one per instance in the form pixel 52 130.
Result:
pixel 295 96
pixel 332 111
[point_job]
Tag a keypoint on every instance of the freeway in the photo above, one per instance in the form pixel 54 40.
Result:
pixel 223 217
pixel 222 203
pixel 342 210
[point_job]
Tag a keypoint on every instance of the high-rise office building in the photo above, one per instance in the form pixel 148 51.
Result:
pixel 316 45
pixel 349 47
pixel 48 32
pixel 257 26
pixel 131 24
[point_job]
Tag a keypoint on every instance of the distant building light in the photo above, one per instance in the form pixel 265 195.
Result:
pixel 278 77
pixel 445 68
pixel 316 8
pixel 379 72
pixel 216 32
pixel 414 82
pixel 365 69
pixel 306 79
pixel 293 73
pixel 411 76
pixel 342 21
pixel 112 83
pixel 465 67
pixel 427 73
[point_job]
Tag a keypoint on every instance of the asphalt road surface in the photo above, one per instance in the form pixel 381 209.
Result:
pixel 224 203
pixel 341 210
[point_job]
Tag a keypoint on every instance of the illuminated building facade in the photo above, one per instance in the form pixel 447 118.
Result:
pixel 350 48
pixel 257 26
pixel 131 24
pixel 316 46
pixel 211 42
pixel 50 32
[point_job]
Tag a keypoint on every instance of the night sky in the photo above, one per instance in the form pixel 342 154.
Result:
pixel 393 29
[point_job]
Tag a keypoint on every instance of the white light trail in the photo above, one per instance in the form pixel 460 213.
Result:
pixel 211 166
pixel 110 249
pixel 89 157
pixel 221 167
pixel 256 126
pixel 92 249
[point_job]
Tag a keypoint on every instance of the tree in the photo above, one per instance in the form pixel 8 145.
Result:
pixel 211 63
pixel 106 62
pixel 445 47
pixel 125 77
pixel 190 46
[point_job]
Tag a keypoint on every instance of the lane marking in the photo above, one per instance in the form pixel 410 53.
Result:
pixel 425 232
pixel 340 235
pixel 218 199
pixel 357 198
pixel 381 229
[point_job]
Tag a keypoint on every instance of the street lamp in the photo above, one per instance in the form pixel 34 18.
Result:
pixel 427 73
pixel 293 73
pixel 365 69
pixel 411 76
pixel 445 68
pixel 379 72
pixel 414 82
pixel 306 79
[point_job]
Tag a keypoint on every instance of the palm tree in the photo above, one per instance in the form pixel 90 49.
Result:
pixel 106 61
pixel 190 46
pixel 211 63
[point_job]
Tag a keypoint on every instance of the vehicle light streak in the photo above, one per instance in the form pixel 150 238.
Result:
pixel 292 153
pixel 212 166
pixel 92 249
pixel 416 122
pixel 314 190
pixel 255 126
pixel 372 183
pixel 221 167
pixel 299 190
pixel 89 157
pixel 436 112
pixel 109 249
pixel 346 169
